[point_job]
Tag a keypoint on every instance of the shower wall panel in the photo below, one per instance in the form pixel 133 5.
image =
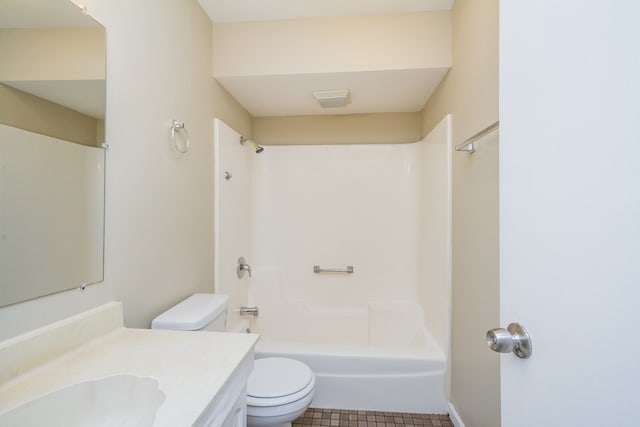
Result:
pixel 435 230
pixel 382 208
pixel 232 215
pixel 335 206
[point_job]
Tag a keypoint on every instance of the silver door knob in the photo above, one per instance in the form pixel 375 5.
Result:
pixel 513 339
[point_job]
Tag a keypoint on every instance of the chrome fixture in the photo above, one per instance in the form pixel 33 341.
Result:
pixel 469 144
pixel 347 269
pixel 175 127
pixel 227 175
pixel 515 338
pixel 249 311
pixel 259 148
pixel 242 267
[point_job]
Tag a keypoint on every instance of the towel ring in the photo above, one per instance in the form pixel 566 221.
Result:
pixel 176 126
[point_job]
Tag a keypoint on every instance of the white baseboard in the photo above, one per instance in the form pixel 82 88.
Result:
pixel 455 418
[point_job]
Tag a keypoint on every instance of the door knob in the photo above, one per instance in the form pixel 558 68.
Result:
pixel 515 338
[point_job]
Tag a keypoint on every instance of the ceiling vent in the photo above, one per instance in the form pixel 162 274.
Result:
pixel 333 98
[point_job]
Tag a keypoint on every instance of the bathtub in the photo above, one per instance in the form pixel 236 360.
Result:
pixel 380 357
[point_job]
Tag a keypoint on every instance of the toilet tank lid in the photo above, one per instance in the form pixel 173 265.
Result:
pixel 193 313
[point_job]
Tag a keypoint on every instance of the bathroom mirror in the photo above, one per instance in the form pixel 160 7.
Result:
pixel 52 111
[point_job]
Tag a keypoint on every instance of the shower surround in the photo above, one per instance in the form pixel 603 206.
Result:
pixel 379 334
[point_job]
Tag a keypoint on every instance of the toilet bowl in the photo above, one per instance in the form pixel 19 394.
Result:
pixel 279 389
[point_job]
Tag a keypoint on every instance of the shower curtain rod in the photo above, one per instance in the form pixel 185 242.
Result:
pixel 468 145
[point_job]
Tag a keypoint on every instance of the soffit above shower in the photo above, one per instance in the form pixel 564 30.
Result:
pixel 389 63
pixel 261 10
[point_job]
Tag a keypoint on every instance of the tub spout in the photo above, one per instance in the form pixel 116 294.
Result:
pixel 249 311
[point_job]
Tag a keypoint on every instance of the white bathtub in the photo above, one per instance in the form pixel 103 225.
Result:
pixel 377 358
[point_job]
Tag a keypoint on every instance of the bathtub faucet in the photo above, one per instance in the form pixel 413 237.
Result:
pixel 249 311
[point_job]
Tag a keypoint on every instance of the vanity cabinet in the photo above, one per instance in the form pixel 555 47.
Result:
pixel 238 415
pixel 229 407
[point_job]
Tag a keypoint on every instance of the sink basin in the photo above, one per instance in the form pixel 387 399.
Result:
pixel 119 400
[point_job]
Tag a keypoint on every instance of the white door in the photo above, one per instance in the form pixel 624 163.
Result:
pixel 570 210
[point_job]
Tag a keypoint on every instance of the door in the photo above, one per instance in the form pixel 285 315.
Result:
pixel 570 210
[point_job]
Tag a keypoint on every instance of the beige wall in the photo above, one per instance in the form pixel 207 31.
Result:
pixel 159 204
pixel 227 109
pixel 470 89
pixel 25 111
pixel 470 93
pixel 339 129
pixel 351 44
pixel 159 216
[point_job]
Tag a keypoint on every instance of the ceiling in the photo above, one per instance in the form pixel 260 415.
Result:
pixel 372 91
pixel 388 91
pixel 263 10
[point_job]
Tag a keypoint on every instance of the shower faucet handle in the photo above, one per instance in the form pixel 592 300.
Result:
pixel 242 267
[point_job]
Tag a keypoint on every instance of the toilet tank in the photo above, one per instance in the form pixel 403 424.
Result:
pixel 199 312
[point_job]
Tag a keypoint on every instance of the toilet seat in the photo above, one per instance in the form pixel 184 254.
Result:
pixel 278 401
pixel 278 381
pixel 270 414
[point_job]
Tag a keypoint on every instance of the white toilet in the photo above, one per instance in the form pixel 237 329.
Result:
pixel 279 390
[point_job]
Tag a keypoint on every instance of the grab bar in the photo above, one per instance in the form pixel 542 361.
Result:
pixel 347 269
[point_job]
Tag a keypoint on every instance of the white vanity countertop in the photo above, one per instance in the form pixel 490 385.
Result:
pixel 191 368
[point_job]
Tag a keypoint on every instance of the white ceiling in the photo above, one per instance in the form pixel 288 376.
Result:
pixel 268 10
pixel 375 91
pixel 389 91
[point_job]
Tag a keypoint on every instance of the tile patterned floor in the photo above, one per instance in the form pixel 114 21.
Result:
pixel 345 418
